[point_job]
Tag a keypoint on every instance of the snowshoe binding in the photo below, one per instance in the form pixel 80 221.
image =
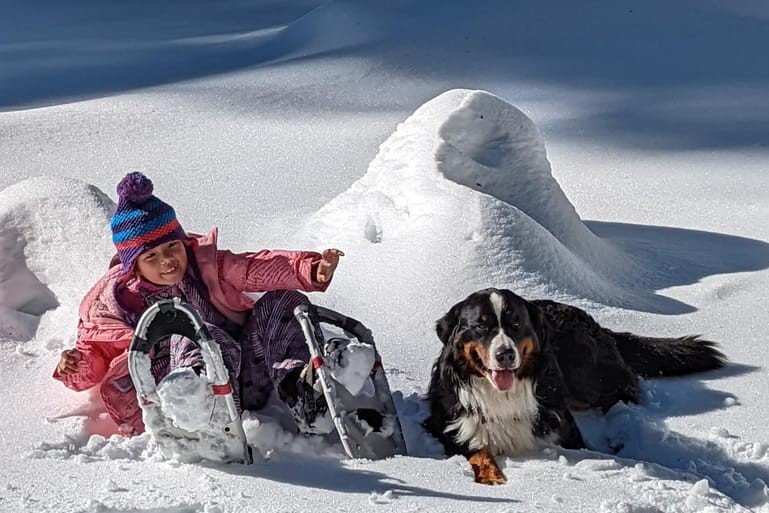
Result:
pixel 349 370
pixel 191 413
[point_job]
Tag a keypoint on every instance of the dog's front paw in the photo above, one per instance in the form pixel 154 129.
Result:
pixel 486 469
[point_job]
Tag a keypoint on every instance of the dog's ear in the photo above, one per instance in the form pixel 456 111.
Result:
pixel 538 321
pixel 447 325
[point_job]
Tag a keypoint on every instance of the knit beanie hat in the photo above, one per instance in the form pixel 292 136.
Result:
pixel 141 220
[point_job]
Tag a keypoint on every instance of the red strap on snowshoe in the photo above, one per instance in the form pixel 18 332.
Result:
pixel 221 389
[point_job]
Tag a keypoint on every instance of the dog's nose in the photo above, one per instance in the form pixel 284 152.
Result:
pixel 505 357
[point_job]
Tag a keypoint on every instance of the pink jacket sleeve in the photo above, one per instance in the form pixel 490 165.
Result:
pixel 270 270
pixel 102 334
pixel 96 359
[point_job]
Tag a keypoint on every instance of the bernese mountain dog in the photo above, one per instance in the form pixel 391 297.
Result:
pixel 511 371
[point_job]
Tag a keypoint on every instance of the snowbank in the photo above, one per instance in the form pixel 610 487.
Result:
pixel 54 242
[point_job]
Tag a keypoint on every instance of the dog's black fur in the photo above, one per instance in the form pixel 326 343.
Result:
pixel 548 358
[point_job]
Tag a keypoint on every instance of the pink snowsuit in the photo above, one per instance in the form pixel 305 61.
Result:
pixel 108 314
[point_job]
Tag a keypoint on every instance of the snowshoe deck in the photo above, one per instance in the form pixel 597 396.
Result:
pixel 222 438
pixel 367 422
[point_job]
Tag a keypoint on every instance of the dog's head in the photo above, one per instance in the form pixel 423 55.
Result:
pixel 495 334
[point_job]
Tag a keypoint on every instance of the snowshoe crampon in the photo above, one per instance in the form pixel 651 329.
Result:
pixel 365 417
pixel 220 437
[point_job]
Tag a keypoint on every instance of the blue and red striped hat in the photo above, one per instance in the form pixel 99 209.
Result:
pixel 141 220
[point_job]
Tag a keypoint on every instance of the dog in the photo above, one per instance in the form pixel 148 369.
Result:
pixel 511 372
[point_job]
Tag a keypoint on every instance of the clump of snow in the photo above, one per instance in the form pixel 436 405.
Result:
pixel 268 435
pixel 350 363
pixel 186 398
pixel 381 498
pixel 701 487
pixel 602 465
pixel 697 498
pixel 212 508
pixel 54 240
pixel 86 448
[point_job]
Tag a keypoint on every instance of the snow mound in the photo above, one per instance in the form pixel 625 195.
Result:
pixel 466 180
pixel 54 241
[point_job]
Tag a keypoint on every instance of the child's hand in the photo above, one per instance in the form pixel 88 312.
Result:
pixel 326 267
pixel 68 362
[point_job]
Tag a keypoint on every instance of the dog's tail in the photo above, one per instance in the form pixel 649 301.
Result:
pixel 652 357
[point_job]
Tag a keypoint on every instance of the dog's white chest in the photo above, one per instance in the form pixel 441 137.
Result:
pixel 501 422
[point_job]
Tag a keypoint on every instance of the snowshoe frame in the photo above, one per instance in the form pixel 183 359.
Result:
pixel 353 440
pixel 172 316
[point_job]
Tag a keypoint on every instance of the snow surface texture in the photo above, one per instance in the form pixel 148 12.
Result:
pixel 653 195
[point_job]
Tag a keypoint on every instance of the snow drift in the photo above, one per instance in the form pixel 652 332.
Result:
pixel 53 233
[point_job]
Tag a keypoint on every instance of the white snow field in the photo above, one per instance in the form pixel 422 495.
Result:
pixel 612 155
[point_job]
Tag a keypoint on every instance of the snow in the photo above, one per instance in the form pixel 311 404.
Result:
pixel 350 362
pixel 185 399
pixel 608 154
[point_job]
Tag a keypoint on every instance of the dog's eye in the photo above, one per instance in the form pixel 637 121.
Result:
pixel 511 320
pixel 481 328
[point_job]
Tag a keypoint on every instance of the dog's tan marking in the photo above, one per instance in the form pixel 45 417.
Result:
pixel 526 345
pixel 474 351
pixel 527 348
pixel 485 468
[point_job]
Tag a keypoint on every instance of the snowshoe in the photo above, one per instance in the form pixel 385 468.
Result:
pixel 191 414
pixel 349 370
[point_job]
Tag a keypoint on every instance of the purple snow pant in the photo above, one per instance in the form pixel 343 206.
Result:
pixel 270 345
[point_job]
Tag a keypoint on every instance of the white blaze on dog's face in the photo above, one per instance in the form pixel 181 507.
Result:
pixel 503 354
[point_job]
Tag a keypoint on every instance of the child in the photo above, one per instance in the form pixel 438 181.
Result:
pixel 261 342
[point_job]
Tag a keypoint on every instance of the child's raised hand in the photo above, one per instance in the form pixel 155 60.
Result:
pixel 327 265
pixel 68 362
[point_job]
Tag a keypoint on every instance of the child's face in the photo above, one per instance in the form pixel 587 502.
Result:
pixel 165 264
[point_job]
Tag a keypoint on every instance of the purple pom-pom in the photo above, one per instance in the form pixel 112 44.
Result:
pixel 135 187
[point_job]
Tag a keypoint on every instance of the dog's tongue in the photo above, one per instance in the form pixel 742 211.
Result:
pixel 503 379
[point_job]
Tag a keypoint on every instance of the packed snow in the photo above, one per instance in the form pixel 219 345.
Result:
pixel 186 399
pixel 350 362
pixel 612 155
